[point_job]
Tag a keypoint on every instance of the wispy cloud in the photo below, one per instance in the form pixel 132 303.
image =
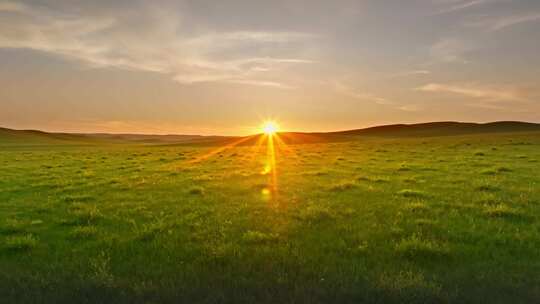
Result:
pixel 9 6
pixel 410 108
pixel 488 93
pixel 410 73
pixel 450 50
pixel 500 23
pixel 354 93
pixel 153 41
pixel 507 98
pixel 264 83
pixel 357 94
pixel 515 20
pixel 459 5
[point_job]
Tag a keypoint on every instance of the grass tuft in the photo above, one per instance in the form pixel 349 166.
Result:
pixel 425 222
pixel 408 287
pixel 343 186
pixel 416 207
pixel 416 247
pixel 80 198
pixel 21 243
pixel 487 188
pixel 501 211
pixel 320 173
pixel 100 269
pixel 12 226
pixel 197 190
pixel 83 232
pixel 410 181
pixel 404 169
pixel 85 214
pixel 150 231
pixel 315 213
pixel 363 179
pixel 409 193
pixel 488 172
pixel 361 248
pixel 257 237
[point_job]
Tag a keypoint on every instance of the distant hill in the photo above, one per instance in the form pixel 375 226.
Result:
pixel 430 129
pixel 34 137
pixel 448 128
pixel 444 128
pixel 153 139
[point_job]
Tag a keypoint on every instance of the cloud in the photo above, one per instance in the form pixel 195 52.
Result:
pixel 257 36
pixel 499 23
pixel 8 6
pixel 450 50
pixel 410 108
pixel 272 84
pixel 410 73
pixel 146 38
pixel 351 92
pixel 514 20
pixel 356 94
pixel 487 93
pixel 458 5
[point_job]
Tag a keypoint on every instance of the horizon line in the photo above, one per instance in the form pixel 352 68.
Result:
pixel 254 134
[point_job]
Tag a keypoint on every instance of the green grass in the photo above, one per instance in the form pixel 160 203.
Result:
pixel 84 232
pixel 22 243
pixel 453 219
pixel 415 247
pixel 501 210
pixel 259 237
pixel 412 193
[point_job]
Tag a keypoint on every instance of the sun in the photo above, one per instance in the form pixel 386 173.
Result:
pixel 270 127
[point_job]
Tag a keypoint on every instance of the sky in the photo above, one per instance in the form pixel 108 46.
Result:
pixel 222 67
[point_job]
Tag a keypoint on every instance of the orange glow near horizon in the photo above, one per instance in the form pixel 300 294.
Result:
pixel 274 146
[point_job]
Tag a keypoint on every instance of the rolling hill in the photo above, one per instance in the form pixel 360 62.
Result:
pixel 445 128
pixel 431 129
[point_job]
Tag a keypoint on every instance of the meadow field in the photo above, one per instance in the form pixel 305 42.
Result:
pixel 365 219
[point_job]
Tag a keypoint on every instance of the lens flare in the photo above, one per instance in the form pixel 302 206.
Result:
pixel 270 127
pixel 267 169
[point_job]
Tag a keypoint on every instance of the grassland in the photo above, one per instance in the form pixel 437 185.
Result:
pixel 367 220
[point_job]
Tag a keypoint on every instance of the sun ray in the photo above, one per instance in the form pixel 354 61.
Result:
pixel 256 148
pixel 220 149
pixel 282 146
pixel 274 145
pixel 271 159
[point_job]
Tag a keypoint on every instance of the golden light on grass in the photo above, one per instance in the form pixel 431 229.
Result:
pixel 220 149
pixel 269 138
pixel 271 160
pixel 270 127
pixel 265 192
pixel 267 169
